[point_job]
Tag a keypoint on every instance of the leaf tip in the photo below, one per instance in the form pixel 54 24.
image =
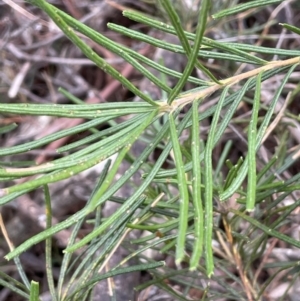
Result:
pixel 210 273
pixel 178 260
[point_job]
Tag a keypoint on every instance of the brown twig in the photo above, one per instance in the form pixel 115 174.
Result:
pixel 238 261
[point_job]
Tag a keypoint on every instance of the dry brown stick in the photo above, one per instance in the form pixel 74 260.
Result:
pixel 238 261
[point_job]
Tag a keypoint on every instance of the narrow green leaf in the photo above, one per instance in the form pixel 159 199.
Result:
pixel 208 183
pixel 227 48
pixel 175 20
pixel 14 287
pixel 149 246
pixel 265 50
pixel 76 111
pixel 70 96
pixel 238 56
pixel 232 174
pixel 242 7
pixel 60 20
pixel 75 163
pixel 162 277
pixel 106 132
pixel 183 190
pixel 16 164
pixel 192 57
pixel 119 271
pixel 231 111
pixel 22 275
pixel 49 138
pixel 266 168
pixel 94 257
pixel 94 202
pixel 112 46
pixel 267 230
pixel 67 257
pixel 196 186
pixel 109 178
pixel 48 247
pixel 82 213
pixel 222 159
pixel 34 291
pixel 103 246
pixel 191 54
pixel 291 28
pixel 66 262
pixel 159 67
pixel 252 132
pixel 210 112
pixel 8 128
pixel 171 291
pixel 275 184
pixel 232 97
pixel 243 170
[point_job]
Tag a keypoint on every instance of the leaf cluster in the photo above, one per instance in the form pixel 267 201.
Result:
pixel 190 196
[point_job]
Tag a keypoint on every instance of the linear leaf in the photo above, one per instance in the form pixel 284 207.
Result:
pixel 192 54
pixel 208 183
pixel 112 46
pixel 291 28
pixel 242 7
pixel 75 111
pixel 243 171
pixel 34 291
pixel 239 56
pixel 196 187
pixel 60 20
pixel 267 230
pixel 210 112
pixel 205 41
pixel 252 132
pixel 49 138
pixel 48 247
pixel 264 50
pixel 183 190
pixel 119 271
pixel 82 213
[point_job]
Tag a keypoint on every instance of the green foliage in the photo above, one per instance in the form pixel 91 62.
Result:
pixel 200 188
